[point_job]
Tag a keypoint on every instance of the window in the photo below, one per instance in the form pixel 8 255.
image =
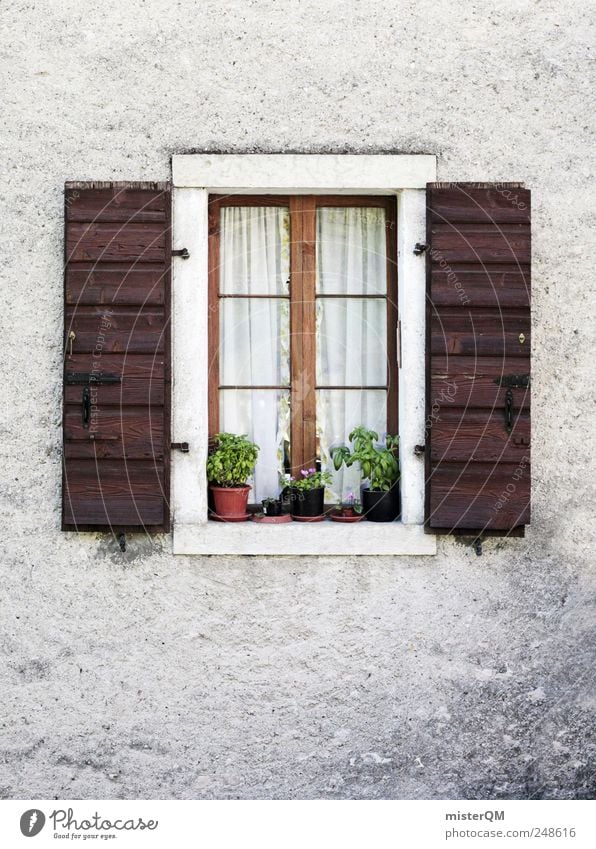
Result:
pixel 295 182
pixel 307 299
pixel 302 327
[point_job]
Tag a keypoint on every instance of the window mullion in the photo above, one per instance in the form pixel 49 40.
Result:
pixel 309 331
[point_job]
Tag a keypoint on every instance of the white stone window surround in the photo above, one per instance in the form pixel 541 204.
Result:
pixel 194 178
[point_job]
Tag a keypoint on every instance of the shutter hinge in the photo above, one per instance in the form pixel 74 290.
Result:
pixel 182 252
pixel 419 450
pixel 180 446
pixel 420 248
pixel 477 546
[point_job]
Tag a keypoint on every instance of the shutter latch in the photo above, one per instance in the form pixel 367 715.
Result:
pixel 420 248
pixel 183 252
pixel 513 381
pixel 419 450
pixel 180 446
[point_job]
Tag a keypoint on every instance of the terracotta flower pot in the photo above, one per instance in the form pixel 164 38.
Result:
pixel 230 501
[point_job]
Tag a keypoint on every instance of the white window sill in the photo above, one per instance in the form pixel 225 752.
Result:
pixel 322 538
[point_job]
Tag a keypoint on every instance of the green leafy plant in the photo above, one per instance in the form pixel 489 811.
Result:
pixel 379 463
pixel 309 479
pixel 231 460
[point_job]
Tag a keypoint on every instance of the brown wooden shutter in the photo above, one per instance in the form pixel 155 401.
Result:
pixel 116 422
pixel 478 357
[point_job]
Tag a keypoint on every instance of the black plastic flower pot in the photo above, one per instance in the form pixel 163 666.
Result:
pixel 272 508
pixel 307 502
pixel 380 506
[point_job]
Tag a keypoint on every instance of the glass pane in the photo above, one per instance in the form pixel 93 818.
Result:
pixel 351 342
pixel 351 251
pixel 254 250
pixel 339 411
pixel 254 342
pixel 264 415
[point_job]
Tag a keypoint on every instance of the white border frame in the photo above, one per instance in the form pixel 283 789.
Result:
pixel 195 177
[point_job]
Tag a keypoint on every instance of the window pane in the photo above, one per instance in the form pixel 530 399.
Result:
pixel 264 415
pixel 339 411
pixel 254 342
pixel 351 251
pixel 254 250
pixel 351 342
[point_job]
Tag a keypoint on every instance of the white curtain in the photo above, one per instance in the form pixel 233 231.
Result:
pixel 351 332
pixel 255 334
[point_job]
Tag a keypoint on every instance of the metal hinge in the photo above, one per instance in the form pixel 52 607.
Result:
pixel 183 252
pixel 180 446
pixel 513 381
pixel 419 450
pixel 420 248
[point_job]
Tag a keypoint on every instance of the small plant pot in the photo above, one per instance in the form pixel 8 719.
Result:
pixel 307 502
pixel 230 501
pixel 272 508
pixel 346 512
pixel 380 506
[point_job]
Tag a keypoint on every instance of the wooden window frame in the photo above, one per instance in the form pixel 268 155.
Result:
pixel 303 298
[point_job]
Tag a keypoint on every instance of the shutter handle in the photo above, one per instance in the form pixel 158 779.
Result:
pixel 71 337
pixel 509 410
pixel 86 406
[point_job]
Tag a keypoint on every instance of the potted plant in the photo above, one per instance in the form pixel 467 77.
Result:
pixel 350 507
pixel 347 511
pixel 230 463
pixel 307 494
pixel 272 506
pixel 379 465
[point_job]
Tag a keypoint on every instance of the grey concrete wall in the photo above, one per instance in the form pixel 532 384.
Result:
pixel 153 676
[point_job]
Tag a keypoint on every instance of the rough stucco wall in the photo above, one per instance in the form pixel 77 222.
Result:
pixel 146 675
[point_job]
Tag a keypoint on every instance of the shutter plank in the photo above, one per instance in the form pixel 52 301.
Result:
pixel 117 284
pixel 456 390
pixel 481 332
pixel 110 286
pixel 457 285
pixel 131 390
pixel 114 494
pixel 116 329
pixel 123 365
pixel 486 244
pixel 490 206
pixel 130 432
pixel 479 496
pixel 478 286
pixel 107 205
pixel 116 242
pixel 478 435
